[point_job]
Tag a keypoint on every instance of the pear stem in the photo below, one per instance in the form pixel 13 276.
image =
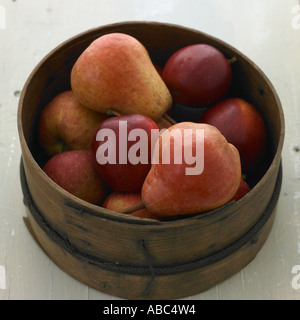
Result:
pixel 168 118
pixel 112 112
pixel 138 206
pixel 232 60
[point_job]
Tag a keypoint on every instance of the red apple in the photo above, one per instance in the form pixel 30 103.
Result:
pixel 242 190
pixel 75 172
pixel 65 124
pixel 197 75
pixel 119 201
pixel 123 157
pixel 242 125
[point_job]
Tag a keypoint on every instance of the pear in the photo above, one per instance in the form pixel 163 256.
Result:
pixel 207 179
pixel 115 72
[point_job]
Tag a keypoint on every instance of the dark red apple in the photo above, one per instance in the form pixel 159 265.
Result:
pixel 122 151
pixel 197 75
pixel 242 125
pixel 75 172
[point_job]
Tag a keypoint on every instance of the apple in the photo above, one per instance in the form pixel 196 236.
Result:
pixel 120 201
pixel 75 172
pixel 197 74
pixel 205 179
pixel 65 124
pixel 242 125
pixel 242 190
pixel 122 147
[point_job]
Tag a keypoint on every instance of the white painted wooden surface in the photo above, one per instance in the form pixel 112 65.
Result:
pixel 267 31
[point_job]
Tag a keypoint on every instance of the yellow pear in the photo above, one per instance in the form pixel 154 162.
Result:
pixel 115 72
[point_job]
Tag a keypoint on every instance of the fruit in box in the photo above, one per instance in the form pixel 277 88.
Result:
pixel 195 238
pixel 242 125
pixel 116 72
pixel 169 191
pixel 197 75
pixel 115 75
pixel 65 124
pixel 123 158
pixel 120 201
pixel 75 172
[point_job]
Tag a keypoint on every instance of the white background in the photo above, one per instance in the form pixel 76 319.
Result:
pixel 267 31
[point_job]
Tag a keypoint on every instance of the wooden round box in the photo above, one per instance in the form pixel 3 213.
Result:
pixel 138 258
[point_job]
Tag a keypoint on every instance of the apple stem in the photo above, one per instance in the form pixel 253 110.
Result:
pixel 232 60
pixel 112 112
pixel 138 206
pixel 168 118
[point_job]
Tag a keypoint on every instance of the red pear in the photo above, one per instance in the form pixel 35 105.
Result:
pixel 206 179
